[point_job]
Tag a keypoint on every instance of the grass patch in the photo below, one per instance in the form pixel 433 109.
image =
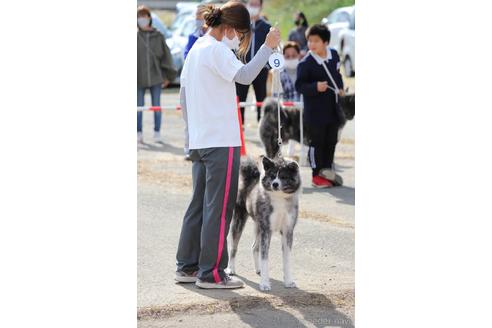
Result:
pixel 315 10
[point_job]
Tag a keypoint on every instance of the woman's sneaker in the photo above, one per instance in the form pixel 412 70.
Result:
pixel 182 276
pixel 227 283
pixel 320 182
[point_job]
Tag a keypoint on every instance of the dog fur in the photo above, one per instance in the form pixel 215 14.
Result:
pixel 289 120
pixel 269 193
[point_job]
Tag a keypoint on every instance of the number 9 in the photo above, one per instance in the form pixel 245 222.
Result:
pixel 276 62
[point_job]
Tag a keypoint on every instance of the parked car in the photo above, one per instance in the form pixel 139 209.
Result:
pixel 336 21
pixel 183 10
pixel 173 47
pixel 347 44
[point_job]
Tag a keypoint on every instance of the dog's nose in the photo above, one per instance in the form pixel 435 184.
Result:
pixel 275 185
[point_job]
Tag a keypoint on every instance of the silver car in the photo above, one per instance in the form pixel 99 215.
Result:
pixel 347 46
pixel 336 21
pixel 173 47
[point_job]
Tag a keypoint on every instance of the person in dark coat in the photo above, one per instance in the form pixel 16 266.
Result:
pixel 259 30
pixel 298 34
pixel 321 111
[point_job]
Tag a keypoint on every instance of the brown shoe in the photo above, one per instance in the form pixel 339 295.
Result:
pixel 186 277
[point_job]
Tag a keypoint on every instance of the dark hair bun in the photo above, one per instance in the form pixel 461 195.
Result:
pixel 212 16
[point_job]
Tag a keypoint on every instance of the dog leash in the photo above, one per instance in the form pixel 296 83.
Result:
pixel 277 89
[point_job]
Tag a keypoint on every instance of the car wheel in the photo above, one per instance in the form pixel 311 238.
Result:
pixel 347 65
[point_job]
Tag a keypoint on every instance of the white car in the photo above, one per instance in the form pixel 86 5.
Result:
pixel 347 46
pixel 336 21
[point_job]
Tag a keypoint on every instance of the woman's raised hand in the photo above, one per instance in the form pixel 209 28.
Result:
pixel 273 38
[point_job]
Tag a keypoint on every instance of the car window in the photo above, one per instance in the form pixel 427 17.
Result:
pixel 157 23
pixel 352 22
pixel 178 21
pixel 332 18
pixel 343 17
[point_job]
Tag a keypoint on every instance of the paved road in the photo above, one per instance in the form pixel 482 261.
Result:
pixel 323 254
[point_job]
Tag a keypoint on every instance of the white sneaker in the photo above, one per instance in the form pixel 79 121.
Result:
pixel 157 136
pixel 227 283
pixel 139 137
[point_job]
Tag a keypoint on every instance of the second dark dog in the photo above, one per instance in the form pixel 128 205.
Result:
pixel 289 120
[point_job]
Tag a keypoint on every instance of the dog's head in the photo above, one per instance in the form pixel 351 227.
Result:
pixel 280 176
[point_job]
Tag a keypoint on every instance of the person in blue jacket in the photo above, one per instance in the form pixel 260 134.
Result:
pixel 321 111
pixel 259 30
pixel 200 30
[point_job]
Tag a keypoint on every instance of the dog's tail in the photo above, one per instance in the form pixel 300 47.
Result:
pixel 249 175
pixel 269 105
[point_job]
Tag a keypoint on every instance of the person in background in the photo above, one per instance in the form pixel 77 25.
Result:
pixel 321 112
pixel 155 68
pixel 298 34
pixel 288 75
pixel 259 30
pixel 201 28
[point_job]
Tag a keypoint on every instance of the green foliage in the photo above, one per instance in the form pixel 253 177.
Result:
pixel 282 11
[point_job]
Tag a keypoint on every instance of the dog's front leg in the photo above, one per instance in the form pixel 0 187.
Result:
pixel 287 239
pixel 266 236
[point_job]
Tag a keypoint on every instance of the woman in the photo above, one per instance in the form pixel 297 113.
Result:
pixel 288 75
pixel 298 34
pixel 201 28
pixel 208 100
pixel 259 30
pixel 155 68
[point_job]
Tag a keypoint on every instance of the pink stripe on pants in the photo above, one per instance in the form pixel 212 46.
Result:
pixel 223 216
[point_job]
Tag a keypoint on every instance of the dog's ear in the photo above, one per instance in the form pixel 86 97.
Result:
pixel 267 163
pixel 293 166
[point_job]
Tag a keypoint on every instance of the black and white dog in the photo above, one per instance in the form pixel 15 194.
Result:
pixel 269 193
pixel 289 119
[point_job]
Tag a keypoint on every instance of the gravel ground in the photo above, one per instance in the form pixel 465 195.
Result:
pixel 323 252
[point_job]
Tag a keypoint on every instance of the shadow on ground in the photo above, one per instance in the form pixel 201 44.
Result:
pixel 343 194
pixel 260 312
pixel 162 147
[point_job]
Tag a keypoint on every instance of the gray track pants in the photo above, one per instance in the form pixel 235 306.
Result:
pixel 203 241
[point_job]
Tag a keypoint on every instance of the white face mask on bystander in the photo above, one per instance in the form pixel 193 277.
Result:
pixel 253 11
pixel 291 63
pixel 143 22
pixel 231 43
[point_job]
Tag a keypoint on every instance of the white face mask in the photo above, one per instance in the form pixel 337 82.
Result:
pixel 143 22
pixel 253 11
pixel 291 63
pixel 231 44
pixel 199 23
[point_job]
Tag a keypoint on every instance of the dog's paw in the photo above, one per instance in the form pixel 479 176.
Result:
pixel 290 284
pixel 230 271
pixel 265 287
